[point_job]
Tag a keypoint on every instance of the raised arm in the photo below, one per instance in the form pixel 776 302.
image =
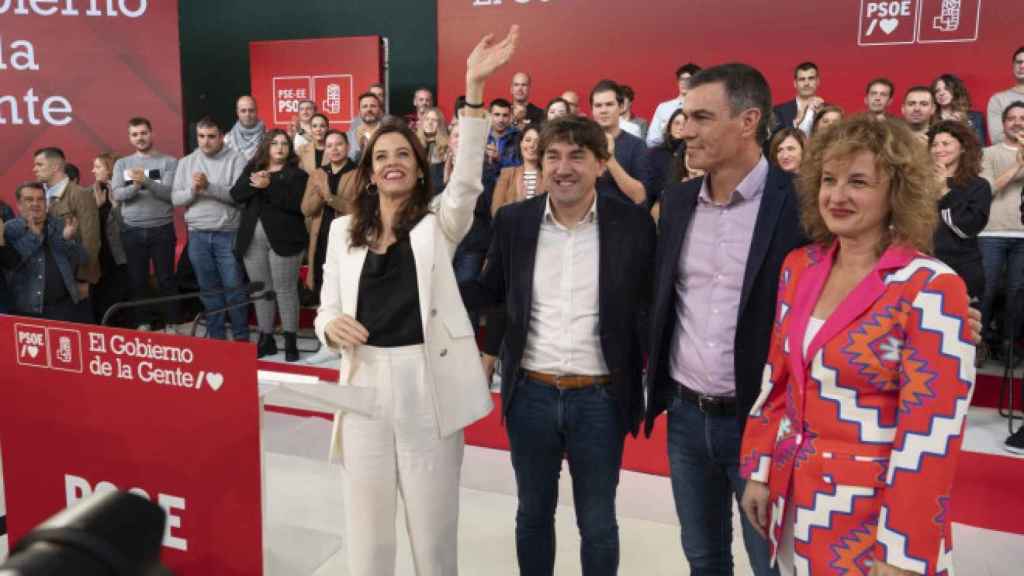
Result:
pixel 455 207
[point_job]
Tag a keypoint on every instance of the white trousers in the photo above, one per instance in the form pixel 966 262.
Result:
pixel 399 451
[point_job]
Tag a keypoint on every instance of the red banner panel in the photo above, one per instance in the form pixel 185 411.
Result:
pixel 572 44
pixel 73 72
pixel 174 419
pixel 332 72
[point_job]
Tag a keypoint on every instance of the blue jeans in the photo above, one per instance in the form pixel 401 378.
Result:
pixel 584 425
pixel 213 260
pixel 142 245
pixel 997 253
pixel 703 455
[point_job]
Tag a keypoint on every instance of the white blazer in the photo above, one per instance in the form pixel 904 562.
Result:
pixel 459 388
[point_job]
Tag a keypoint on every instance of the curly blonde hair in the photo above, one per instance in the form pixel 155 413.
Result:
pixel 913 188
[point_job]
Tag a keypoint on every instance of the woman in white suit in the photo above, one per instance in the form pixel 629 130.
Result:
pixel 391 306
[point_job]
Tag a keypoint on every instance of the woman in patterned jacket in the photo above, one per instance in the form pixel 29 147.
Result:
pixel 851 449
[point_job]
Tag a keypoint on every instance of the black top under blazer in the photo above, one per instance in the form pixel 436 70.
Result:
pixel 278 206
pixel 777 232
pixel 626 239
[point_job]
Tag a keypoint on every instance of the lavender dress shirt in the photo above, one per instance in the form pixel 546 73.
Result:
pixel 709 286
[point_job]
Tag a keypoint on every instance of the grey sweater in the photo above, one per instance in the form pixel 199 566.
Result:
pixel 212 210
pixel 996 105
pixel 150 205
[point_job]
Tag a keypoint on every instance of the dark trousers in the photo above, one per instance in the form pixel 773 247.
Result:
pixel 112 288
pixel 703 455
pixel 467 267
pixel 67 311
pixel 997 254
pixel 143 246
pixel 544 425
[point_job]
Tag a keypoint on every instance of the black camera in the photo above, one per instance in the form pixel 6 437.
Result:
pixel 108 534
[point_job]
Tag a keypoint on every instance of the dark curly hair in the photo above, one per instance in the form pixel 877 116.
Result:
pixel 367 227
pixel 969 165
pixel 961 97
pixel 261 159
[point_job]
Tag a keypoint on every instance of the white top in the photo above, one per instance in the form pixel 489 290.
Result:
pixel 656 132
pixel 630 127
pixel 563 336
pixel 813 326
pixel 530 182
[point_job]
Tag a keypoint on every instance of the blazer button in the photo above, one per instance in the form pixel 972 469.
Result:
pixel 433 312
pixel 444 352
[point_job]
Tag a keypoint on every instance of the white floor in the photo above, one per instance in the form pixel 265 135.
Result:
pixel 304 510
pixel 303 513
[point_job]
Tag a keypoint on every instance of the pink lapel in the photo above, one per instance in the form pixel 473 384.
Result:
pixel 860 299
pixel 808 288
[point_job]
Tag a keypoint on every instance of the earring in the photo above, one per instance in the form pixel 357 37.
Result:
pixel 421 182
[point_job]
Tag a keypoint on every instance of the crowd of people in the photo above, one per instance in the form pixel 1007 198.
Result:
pixel 786 282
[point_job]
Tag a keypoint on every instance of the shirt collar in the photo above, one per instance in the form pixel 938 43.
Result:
pixel 751 187
pixel 589 218
pixel 57 190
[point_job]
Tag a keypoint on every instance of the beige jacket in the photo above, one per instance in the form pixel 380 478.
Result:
pixel 307 158
pixel 80 203
pixel 313 209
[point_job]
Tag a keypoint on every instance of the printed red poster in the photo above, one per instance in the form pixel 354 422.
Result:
pixel 885 22
pixel 332 72
pixel 950 21
pixel 176 419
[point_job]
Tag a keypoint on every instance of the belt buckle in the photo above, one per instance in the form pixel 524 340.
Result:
pixel 701 403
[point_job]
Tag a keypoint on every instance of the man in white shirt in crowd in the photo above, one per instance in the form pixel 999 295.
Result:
pixel 656 132
pixel 301 127
pixel 799 112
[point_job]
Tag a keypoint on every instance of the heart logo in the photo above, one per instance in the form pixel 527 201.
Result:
pixel 215 380
pixel 33 351
pixel 888 25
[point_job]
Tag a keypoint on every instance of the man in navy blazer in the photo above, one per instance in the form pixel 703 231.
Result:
pixel 574 270
pixel 722 242
pixel 799 112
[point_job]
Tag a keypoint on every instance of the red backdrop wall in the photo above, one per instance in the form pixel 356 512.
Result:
pixel 571 44
pixel 108 60
pixel 332 72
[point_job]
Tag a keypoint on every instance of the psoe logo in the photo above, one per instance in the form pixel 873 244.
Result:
pixel 888 22
pixel 30 341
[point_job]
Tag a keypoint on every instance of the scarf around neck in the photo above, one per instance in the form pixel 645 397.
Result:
pixel 246 140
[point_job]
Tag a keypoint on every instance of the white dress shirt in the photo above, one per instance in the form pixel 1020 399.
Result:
pixel 656 131
pixel 563 336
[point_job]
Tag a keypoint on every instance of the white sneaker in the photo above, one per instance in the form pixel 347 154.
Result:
pixel 323 356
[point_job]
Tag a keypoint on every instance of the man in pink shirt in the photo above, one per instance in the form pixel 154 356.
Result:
pixel 723 239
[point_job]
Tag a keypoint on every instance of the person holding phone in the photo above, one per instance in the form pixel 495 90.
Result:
pixel 142 184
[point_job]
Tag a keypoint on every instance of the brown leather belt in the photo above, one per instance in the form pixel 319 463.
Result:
pixel 567 381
